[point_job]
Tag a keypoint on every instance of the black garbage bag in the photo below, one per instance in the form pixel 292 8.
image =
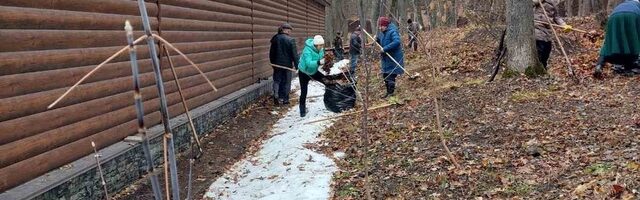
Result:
pixel 339 97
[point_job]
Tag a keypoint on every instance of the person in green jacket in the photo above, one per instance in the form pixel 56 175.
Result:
pixel 310 61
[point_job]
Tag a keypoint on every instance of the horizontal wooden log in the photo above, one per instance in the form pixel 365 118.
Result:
pixel 95 6
pixel 268 22
pixel 190 13
pixel 14 39
pixel 297 8
pixel 34 145
pixel 29 18
pixel 265 6
pixel 214 6
pixel 34 61
pixel 15 174
pixel 266 15
pixel 100 90
pixel 28 83
pixel 239 3
pixel 32 18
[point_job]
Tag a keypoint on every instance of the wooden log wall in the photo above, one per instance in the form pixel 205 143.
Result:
pixel 46 46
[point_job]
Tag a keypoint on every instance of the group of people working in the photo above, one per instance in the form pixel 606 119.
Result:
pixel 622 36
pixel 285 59
pixel 621 48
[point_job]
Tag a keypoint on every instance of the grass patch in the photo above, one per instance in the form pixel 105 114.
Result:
pixel 348 191
pixel 535 71
pixel 519 189
pixel 599 168
pixel 510 73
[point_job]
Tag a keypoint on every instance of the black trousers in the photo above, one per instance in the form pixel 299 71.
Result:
pixel 339 53
pixel 304 86
pixel 281 84
pixel 413 43
pixel 544 51
pixel 390 82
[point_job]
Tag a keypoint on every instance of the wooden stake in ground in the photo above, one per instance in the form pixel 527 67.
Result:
pixel 164 110
pixel 102 180
pixel 142 130
pixel 194 134
pixel 564 53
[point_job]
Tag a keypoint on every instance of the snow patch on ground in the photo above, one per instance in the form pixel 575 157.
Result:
pixel 284 168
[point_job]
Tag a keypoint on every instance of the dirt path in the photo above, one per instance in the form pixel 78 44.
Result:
pixel 223 147
pixel 285 167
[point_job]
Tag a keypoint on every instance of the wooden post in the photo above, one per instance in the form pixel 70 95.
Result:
pixel 171 156
pixel 142 130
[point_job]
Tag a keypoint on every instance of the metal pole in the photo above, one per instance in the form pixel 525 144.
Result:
pixel 153 52
pixel 155 185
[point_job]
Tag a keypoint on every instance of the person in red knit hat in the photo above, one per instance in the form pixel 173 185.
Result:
pixel 389 39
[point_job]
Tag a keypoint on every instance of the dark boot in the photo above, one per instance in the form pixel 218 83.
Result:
pixel 598 72
pixel 390 91
pixel 303 111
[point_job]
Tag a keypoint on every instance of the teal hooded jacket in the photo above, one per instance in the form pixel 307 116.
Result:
pixel 309 59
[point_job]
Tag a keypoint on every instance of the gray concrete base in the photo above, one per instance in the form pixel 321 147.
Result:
pixel 123 163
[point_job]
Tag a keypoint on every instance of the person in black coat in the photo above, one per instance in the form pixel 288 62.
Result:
pixel 355 49
pixel 283 52
pixel 338 48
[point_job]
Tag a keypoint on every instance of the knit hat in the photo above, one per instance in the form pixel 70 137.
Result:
pixel 318 40
pixel 286 26
pixel 383 21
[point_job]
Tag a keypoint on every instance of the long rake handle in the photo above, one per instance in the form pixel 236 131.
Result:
pixel 555 34
pixel 381 48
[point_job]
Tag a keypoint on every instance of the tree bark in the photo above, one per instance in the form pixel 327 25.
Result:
pixel 378 10
pixel 418 12
pixel 586 7
pixel 521 47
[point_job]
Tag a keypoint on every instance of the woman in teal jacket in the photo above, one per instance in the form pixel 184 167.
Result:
pixel 312 58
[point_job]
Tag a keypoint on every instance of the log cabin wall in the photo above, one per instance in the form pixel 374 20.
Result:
pixel 46 46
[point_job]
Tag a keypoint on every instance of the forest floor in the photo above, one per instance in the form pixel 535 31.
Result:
pixel 515 138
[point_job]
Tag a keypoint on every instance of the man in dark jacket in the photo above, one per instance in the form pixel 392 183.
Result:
pixel 355 49
pixel 389 39
pixel 414 27
pixel 337 47
pixel 284 53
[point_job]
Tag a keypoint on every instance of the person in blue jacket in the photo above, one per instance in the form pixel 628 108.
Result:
pixel 389 39
pixel 622 40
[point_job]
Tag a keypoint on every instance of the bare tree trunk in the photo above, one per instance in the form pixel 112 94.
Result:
pixel 378 10
pixel 417 9
pixel 586 6
pixel 521 47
